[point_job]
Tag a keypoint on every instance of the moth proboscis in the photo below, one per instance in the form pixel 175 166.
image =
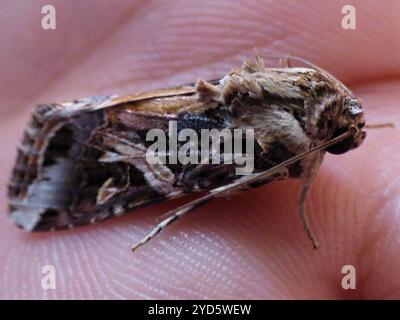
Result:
pixel 85 160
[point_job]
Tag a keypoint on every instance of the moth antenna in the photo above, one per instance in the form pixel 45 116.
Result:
pixel 175 214
pixel 315 67
pixel 289 57
pixel 380 125
pixel 286 59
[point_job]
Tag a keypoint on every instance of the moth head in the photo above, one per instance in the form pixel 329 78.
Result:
pixel 350 119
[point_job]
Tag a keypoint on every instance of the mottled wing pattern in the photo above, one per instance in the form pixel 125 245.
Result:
pixel 85 161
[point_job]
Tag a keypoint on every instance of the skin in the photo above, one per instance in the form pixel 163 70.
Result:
pixel 251 245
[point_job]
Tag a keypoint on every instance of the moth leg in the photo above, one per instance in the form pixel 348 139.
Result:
pixel 230 189
pixel 309 179
pixel 304 217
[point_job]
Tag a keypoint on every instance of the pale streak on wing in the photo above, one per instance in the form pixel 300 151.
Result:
pixel 144 101
pixel 158 93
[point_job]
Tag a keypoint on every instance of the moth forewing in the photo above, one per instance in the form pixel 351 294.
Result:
pixel 85 160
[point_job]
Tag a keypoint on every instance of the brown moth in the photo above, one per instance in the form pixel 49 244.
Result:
pixel 84 161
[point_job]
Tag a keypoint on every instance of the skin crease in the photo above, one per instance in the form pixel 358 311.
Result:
pixel 251 245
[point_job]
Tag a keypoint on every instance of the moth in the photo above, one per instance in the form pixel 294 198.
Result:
pixel 84 161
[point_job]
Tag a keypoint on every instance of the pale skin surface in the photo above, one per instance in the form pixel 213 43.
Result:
pixel 249 246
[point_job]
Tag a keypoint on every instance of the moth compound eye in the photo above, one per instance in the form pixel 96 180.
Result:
pixel 342 146
pixel 361 124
